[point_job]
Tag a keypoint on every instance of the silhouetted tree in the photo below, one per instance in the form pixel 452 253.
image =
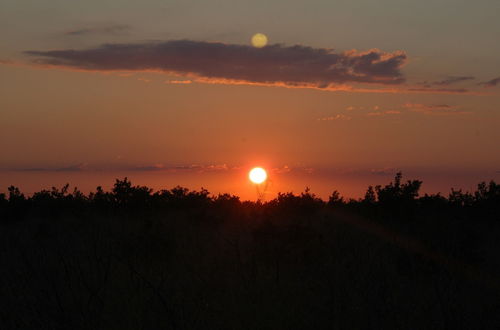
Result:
pixel 304 203
pixel 3 205
pixel 126 194
pixel 395 192
pixel 15 196
pixel 335 199
pixel 370 196
pixel 181 197
pixel 487 192
pixel 460 199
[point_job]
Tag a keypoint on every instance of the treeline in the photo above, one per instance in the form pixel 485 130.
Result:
pixel 132 258
pixel 396 199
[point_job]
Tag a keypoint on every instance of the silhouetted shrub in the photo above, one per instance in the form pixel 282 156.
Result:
pixel 395 192
pixel 335 199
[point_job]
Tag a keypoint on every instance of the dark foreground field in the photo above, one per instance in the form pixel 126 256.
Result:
pixel 176 259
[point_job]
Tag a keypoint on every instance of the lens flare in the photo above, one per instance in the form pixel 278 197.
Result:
pixel 259 40
pixel 257 175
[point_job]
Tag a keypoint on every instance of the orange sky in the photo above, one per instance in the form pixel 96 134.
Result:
pixel 435 114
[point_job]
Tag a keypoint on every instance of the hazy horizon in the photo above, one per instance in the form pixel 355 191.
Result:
pixel 351 183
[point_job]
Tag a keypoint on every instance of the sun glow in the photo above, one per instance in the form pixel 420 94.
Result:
pixel 257 175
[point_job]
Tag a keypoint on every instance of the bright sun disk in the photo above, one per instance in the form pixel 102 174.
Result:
pixel 257 175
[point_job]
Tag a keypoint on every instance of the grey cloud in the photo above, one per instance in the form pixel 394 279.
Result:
pixel 275 64
pixel 452 80
pixel 491 83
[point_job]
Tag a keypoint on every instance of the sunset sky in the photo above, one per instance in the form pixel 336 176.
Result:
pixel 344 95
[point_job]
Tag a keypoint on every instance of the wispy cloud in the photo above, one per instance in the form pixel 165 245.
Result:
pixel 357 108
pixel 376 111
pixel 383 171
pixel 148 168
pixel 431 90
pixel 296 66
pixel 71 168
pixel 435 109
pixel 178 82
pixel 428 107
pixel 214 168
pixel 336 117
pixel 6 62
pixel 425 109
pixel 199 168
pixel 383 113
pixel 491 83
pixel 110 29
pixel 292 169
pixel 164 168
pixel 450 80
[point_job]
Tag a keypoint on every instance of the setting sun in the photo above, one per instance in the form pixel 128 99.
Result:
pixel 257 175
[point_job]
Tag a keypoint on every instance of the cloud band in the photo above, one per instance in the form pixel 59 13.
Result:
pixel 274 64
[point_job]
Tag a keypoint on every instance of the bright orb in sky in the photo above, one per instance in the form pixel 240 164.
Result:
pixel 259 40
pixel 257 175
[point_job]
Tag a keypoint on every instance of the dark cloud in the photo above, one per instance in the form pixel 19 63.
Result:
pixel 296 66
pixel 452 80
pixel 112 29
pixel 491 83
